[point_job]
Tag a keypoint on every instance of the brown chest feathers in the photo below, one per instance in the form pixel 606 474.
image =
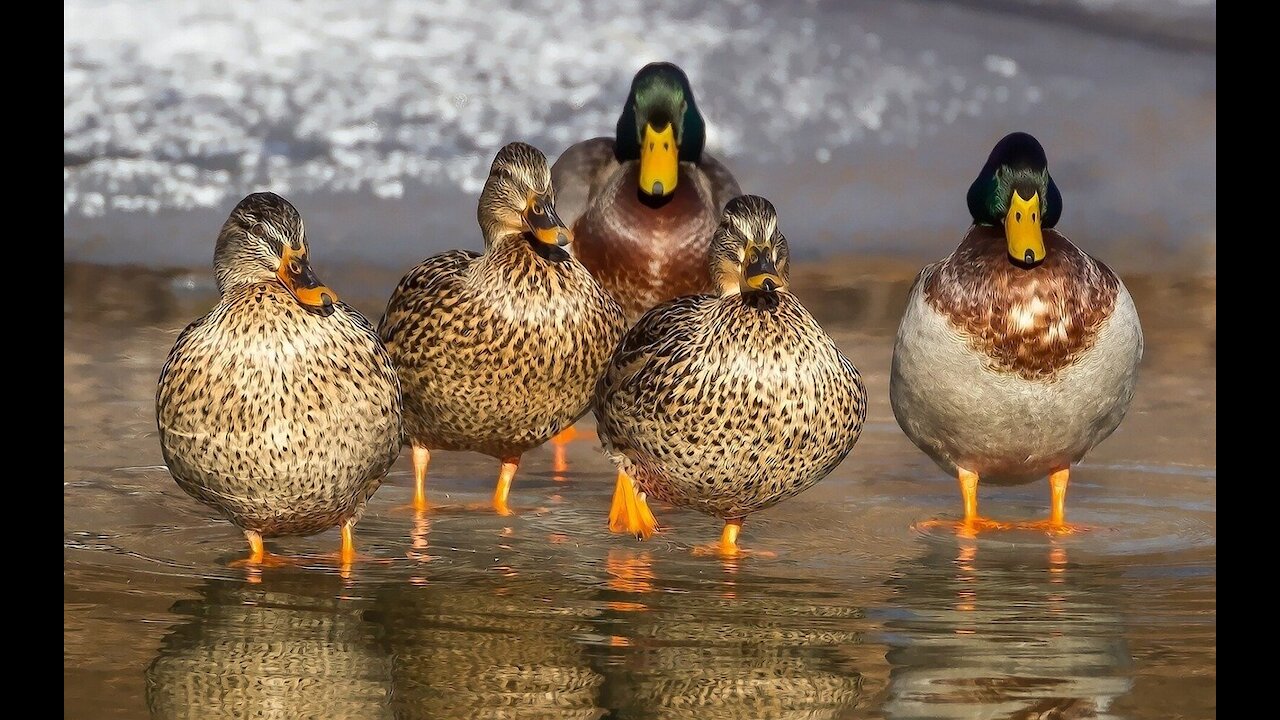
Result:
pixel 1033 322
pixel 644 254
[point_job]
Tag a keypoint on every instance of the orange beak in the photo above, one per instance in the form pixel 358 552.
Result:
pixel 301 282
pixel 542 222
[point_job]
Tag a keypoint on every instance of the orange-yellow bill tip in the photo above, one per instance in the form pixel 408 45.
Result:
pixel 544 224
pixel 559 236
pixel 300 280
pixel 659 161
pixel 764 281
pixel 317 297
pixel 760 272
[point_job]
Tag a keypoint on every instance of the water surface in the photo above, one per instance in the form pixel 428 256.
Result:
pixel 465 614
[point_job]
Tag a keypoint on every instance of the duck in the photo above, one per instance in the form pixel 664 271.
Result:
pixel 644 203
pixel 1018 352
pixel 728 402
pixel 499 351
pixel 280 407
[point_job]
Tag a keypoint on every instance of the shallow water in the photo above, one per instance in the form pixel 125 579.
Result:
pixel 545 614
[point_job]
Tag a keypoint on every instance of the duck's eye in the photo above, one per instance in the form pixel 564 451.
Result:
pixel 294 267
pixel 537 208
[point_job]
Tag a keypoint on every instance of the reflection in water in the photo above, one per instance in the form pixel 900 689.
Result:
pixel 1005 632
pixel 547 615
pixel 739 646
pixel 286 648
pixel 487 647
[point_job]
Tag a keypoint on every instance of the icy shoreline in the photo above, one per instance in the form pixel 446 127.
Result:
pixel 381 128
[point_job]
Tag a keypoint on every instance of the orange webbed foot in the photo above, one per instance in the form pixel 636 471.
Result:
pixel 630 511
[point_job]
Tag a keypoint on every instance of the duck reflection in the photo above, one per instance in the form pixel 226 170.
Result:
pixel 1005 631
pixel 284 645
pixel 488 644
pixel 738 646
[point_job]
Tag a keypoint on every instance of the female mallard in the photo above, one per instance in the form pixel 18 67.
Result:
pixel 643 204
pixel 500 351
pixel 728 403
pixel 1018 352
pixel 280 407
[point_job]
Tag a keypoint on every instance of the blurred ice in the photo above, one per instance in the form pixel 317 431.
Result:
pixel 174 110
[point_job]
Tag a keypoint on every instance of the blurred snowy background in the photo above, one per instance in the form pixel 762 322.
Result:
pixel 863 121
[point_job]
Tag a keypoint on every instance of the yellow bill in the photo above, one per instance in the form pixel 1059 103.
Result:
pixel 1022 229
pixel 659 161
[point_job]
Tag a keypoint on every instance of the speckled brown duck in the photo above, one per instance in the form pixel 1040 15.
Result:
pixel 644 203
pixel 280 407
pixel 1019 352
pixel 732 402
pixel 499 351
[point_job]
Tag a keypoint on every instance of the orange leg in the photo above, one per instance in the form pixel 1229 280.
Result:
pixel 729 536
pixel 728 546
pixel 508 472
pixel 348 552
pixel 560 462
pixel 257 551
pixel 421 459
pixel 565 436
pixel 1058 489
pixel 630 511
pixel 258 555
pixel 1057 523
pixel 560 444
pixel 972 522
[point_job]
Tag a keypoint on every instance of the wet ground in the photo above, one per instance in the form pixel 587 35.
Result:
pixel 545 614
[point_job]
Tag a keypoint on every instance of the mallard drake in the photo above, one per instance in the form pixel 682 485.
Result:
pixel 1018 352
pixel 644 203
pixel 280 407
pixel 728 403
pixel 500 351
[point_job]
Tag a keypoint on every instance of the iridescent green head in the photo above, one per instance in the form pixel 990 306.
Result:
pixel 1015 190
pixel 660 126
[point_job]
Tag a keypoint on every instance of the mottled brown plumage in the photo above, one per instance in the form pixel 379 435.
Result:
pixel 283 417
pixel 731 403
pixel 498 352
pixel 1032 321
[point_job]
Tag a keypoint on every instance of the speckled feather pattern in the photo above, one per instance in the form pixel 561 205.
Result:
pixel 284 420
pixel 729 405
pixel 643 254
pixel 1011 372
pixel 498 352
